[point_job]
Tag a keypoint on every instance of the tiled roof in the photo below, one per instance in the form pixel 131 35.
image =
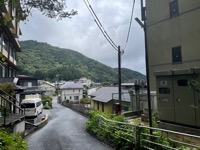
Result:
pixel 71 85
pixel 106 94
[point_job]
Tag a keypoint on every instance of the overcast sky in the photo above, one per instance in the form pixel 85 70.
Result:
pixel 83 35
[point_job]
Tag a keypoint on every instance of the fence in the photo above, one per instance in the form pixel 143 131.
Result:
pixel 142 139
pixel 79 108
pixel 9 106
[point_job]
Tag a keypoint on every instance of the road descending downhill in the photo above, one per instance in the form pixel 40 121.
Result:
pixel 64 131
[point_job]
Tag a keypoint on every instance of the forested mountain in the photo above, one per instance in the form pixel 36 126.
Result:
pixel 48 62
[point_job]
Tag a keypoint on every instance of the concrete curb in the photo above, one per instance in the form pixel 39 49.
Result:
pixel 38 126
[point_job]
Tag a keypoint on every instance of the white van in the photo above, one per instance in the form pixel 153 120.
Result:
pixel 32 106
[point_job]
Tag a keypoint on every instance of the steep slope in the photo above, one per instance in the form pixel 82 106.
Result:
pixel 48 62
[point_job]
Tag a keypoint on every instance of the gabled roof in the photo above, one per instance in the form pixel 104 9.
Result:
pixel 106 94
pixel 71 85
pixel 51 84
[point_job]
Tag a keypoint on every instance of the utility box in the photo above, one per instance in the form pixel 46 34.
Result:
pixel 177 102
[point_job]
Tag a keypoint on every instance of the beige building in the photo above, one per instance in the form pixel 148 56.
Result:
pixel 9 45
pixel 173 35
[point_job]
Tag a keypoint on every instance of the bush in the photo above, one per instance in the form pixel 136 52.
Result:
pixel 66 101
pixel 47 100
pixel 11 141
pixel 111 133
pixel 47 107
pixel 85 100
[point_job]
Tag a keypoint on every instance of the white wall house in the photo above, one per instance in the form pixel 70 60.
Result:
pixel 85 81
pixel 71 91
pixel 48 87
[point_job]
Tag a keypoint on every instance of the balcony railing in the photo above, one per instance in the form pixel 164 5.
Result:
pixel 10 109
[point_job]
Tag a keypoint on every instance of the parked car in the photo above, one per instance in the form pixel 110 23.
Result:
pixel 32 106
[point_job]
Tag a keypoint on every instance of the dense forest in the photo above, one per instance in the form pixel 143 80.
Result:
pixel 53 63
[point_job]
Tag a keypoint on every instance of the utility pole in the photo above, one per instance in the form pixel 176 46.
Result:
pixel 143 25
pixel 143 13
pixel 119 78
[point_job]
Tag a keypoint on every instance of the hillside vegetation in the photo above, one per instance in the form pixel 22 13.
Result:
pixel 48 62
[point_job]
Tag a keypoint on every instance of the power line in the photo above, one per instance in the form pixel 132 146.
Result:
pixel 101 24
pixel 106 36
pixel 97 21
pixel 129 29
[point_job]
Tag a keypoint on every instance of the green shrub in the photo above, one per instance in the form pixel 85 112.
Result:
pixel 111 133
pixel 47 107
pixel 47 100
pixel 66 101
pixel 11 141
pixel 86 100
pixel 115 133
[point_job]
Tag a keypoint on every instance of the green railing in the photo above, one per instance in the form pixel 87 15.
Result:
pixel 142 139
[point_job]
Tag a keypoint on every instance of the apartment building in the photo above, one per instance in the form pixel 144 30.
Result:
pixel 9 45
pixel 173 41
pixel 173 35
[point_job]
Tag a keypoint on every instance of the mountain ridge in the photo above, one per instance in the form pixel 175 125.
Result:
pixel 49 62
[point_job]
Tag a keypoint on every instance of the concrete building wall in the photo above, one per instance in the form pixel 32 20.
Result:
pixel 108 107
pixel 165 32
pixel 70 94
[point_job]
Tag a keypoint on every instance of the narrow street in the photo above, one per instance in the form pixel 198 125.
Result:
pixel 64 131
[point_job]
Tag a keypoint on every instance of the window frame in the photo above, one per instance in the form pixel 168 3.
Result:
pixel 176 54
pixel 174 5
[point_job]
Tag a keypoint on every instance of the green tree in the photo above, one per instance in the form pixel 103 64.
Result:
pixel 8 88
pixel 50 8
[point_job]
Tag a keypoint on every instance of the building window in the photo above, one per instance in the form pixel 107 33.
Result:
pixel 176 54
pixel 174 9
pixel 182 82
pixel 76 97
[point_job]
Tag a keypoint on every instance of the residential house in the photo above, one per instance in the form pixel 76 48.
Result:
pixel 27 87
pixel 85 81
pixel 48 87
pixel 105 98
pixel 71 91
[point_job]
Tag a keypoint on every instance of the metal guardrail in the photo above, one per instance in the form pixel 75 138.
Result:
pixel 159 139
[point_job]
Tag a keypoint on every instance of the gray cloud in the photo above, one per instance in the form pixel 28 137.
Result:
pixel 83 35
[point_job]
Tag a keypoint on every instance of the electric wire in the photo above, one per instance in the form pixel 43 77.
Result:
pixel 101 24
pixel 130 24
pixel 106 36
pixel 97 21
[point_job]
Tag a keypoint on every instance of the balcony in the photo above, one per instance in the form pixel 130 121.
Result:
pixel 5 52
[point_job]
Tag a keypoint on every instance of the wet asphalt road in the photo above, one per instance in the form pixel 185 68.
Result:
pixel 64 131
